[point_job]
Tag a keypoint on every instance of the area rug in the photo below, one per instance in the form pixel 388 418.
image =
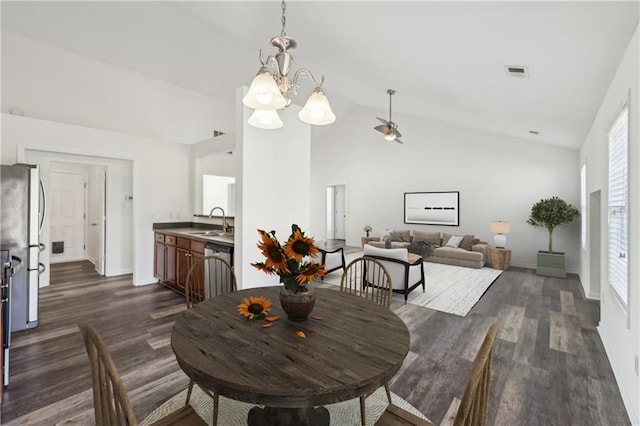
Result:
pixel 451 289
pixel 234 413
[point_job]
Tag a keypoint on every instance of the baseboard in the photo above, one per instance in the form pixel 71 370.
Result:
pixel 633 415
pixel 115 273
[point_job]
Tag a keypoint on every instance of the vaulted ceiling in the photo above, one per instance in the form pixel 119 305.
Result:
pixel 446 60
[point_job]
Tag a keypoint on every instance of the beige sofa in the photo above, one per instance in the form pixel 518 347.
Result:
pixel 470 252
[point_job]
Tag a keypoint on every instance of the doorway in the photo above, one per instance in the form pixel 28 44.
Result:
pixel 594 245
pixel 336 212
pixel 67 217
pixel 110 192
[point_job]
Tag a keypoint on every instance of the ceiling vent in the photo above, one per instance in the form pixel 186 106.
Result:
pixel 517 71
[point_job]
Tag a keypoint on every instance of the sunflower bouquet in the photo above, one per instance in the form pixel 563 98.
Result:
pixel 294 262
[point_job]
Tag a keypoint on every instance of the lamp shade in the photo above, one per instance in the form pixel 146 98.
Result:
pixel 265 119
pixel 500 227
pixel 317 110
pixel 264 92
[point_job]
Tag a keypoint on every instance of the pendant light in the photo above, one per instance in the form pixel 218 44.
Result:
pixel 269 90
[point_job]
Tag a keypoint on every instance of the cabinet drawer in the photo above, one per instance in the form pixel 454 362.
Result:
pixel 160 238
pixel 197 246
pixel 184 243
pixel 170 240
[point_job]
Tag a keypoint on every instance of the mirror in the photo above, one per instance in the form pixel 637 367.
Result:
pixel 218 191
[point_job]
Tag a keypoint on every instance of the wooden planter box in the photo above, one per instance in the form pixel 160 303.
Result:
pixel 551 265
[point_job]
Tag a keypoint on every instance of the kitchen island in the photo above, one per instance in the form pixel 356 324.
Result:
pixel 177 246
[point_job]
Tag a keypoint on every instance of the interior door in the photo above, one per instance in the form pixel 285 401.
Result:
pixel 67 218
pixel 97 215
pixel 340 212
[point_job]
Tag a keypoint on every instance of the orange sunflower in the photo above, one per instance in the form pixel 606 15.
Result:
pixel 310 273
pixel 254 307
pixel 272 251
pixel 298 246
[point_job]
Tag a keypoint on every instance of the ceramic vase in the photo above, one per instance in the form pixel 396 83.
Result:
pixel 297 305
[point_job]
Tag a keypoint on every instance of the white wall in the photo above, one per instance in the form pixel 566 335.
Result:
pixel 499 178
pixel 619 330
pixel 160 175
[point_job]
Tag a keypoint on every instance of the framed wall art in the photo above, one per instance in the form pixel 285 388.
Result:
pixel 432 208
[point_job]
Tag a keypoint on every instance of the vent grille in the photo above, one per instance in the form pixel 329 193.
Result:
pixel 517 71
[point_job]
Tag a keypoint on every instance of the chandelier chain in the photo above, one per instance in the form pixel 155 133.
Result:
pixel 283 19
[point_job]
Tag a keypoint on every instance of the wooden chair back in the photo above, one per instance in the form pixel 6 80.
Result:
pixel 368 278
pixel 473 408
pixel 208 277
pixel 110 400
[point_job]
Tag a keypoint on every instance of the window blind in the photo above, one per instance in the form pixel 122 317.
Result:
pixel 618 206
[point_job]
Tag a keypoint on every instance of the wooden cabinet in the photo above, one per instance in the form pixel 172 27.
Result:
pixel 165 258
pixel 187 253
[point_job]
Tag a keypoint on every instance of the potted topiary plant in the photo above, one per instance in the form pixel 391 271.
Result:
pixel 550 213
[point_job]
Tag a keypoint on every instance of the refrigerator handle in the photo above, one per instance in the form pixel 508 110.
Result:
pixel 44 207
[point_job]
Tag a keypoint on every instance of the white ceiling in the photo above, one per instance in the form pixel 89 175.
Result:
pixel 445 59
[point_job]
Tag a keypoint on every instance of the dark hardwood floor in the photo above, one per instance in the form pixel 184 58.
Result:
pixel 550 367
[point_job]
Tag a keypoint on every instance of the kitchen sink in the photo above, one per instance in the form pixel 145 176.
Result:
pixel 212 233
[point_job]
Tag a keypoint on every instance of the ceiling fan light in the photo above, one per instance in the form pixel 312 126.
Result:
pixel 265 119
pixel 317 110
pixel 264 93
pixel 390 136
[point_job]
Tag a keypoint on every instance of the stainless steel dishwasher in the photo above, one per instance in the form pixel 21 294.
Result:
pixel 224 252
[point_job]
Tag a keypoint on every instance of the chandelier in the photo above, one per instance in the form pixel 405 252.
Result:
pixel 269 90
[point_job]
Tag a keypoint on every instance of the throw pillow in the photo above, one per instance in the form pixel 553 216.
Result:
pixel 454 241
pixel 445 238
pixel 426 237
pixel 467 242
pixel 400 236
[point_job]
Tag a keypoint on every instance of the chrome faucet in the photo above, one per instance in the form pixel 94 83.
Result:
pixel 225 225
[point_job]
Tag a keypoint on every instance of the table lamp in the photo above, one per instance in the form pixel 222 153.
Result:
pixel 500 228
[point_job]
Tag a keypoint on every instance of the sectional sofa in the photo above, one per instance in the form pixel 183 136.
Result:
pixel 459 250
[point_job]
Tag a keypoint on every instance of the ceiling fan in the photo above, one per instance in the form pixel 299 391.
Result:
pixel 389 129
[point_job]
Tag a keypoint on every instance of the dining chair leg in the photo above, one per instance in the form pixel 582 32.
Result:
pixel 216 399
pixel 362 410
pixel 386 388
pixel 189 392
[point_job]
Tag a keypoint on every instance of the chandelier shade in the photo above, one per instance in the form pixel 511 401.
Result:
pixel 269 90
pixel 265 119
pixel 317 110
pixel 264 92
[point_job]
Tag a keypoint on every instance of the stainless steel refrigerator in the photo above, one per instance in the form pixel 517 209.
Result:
pixel 22 211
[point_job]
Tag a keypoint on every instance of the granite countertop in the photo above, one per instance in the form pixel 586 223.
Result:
pixel 196 231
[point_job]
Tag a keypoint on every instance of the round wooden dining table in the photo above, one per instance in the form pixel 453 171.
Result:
pixel 351 348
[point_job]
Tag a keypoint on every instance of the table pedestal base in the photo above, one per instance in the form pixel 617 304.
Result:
pixel 276 416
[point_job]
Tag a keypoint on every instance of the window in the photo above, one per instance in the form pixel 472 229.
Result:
pixel 583 205
pixel 618 206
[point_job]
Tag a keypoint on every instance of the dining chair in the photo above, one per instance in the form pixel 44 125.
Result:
pixel 473 407
pixel 368 278
pixel 110 400
pixel 208 277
